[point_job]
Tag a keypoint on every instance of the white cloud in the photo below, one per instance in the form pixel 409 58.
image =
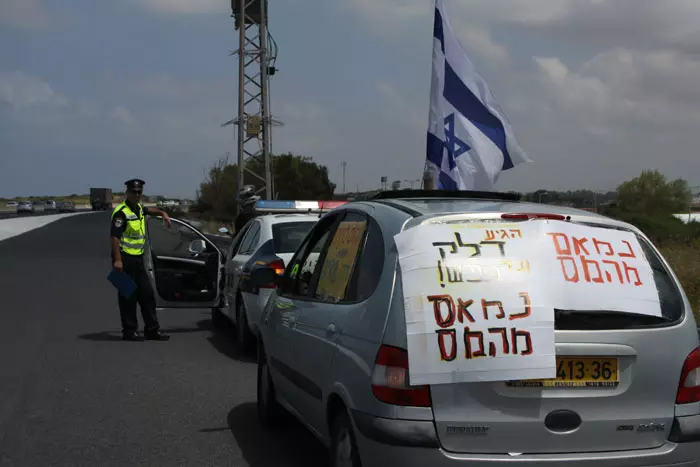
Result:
pixel 21 90
pixel 28 14
pixel 398 108
pixel 623 86
pixel 122 115
pixel 165 87
pixel 186 6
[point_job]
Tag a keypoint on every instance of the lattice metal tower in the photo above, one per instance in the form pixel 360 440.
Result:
pixel 255 66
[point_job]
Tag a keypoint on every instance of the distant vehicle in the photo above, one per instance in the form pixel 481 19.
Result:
pixel 66 206
pixel 50 205
pixel 25 206
pixel 101 199
pixel 626 392
pixel 38 206
pixel 12 204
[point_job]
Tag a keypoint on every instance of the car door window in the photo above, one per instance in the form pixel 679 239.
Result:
pixel 237 242
pixel 254 240
pixel 300 270
pixel 337 264
pixel 248 239
pixel 174 241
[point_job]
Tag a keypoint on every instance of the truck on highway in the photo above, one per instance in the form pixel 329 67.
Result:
pixel 101 198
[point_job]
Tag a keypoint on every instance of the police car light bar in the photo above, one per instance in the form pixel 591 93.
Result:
pixel 282 207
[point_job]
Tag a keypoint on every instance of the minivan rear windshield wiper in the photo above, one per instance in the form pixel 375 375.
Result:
pixel 575 320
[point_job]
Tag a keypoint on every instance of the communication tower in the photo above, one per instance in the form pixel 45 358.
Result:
pixel 257 52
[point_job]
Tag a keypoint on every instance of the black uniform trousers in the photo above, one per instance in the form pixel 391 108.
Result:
pixel 143 296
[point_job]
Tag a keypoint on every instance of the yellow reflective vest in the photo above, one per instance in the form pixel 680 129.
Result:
pixel 133 239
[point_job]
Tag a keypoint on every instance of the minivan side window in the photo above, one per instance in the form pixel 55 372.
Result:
pixel 299 272
pixel 370 265
pixel 332 278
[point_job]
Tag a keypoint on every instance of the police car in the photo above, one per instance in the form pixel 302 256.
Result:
pixel 190 270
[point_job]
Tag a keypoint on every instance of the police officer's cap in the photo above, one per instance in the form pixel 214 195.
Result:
pixel 135 184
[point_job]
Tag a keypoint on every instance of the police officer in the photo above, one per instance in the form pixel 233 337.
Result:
pixel 128 234
pixel 246 200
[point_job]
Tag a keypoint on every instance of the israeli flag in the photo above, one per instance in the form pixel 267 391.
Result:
pixel 469 139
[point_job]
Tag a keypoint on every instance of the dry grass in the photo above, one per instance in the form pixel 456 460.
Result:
pixel 685 261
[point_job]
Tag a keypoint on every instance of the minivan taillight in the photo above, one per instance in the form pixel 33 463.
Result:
pixel 689 387
pixel 390 379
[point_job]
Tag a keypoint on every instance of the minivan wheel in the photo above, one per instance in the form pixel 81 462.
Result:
pixel 269 409
pixel 344 451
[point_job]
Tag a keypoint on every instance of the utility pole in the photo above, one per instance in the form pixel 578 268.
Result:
pixel 254 69
pixel 344 164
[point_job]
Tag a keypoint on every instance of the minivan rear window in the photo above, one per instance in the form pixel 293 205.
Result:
pixel 288 236
pixel 669 296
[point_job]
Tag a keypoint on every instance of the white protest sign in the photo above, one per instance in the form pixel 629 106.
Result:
pixel 480 298
pixel 476 305
pixel 599 269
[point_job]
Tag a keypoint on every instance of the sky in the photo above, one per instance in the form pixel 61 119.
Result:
pixel 95 93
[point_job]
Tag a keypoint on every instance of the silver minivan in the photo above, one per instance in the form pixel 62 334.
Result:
pixel 341 366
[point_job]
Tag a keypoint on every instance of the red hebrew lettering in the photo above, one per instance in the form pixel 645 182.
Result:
pixel 528 308
pixel 504 339
pixel 560 250
pixel 451 336
pixel 468 336
pixel 514 334
pixel 586 271
pixel 629 248
pixel 462 310
pixel 440 320
pixel 629 269
pixel 617 268
pixel 486 304
pixel 504 234
pixel 490 235
pixel 579 245
pixel 574 277
pixel 597 243
pixel 514 231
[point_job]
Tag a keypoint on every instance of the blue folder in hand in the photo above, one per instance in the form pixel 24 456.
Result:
pixel 122 282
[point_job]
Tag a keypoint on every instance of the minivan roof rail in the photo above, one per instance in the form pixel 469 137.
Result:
pixel 463 194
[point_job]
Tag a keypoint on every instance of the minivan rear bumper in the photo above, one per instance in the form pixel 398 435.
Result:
pixel 383 442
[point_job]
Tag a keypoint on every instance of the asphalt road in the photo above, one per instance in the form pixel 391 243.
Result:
pixel 12 214
pixel 73 394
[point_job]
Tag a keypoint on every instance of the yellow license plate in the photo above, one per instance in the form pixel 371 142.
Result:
pixel 577 372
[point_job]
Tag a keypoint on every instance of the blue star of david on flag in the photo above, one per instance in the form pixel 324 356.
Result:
pixel 455 147
pixel 462 109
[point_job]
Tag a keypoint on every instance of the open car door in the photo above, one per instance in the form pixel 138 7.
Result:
pixel 184 266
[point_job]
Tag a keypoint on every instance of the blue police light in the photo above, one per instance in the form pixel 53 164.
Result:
pixel 275 205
